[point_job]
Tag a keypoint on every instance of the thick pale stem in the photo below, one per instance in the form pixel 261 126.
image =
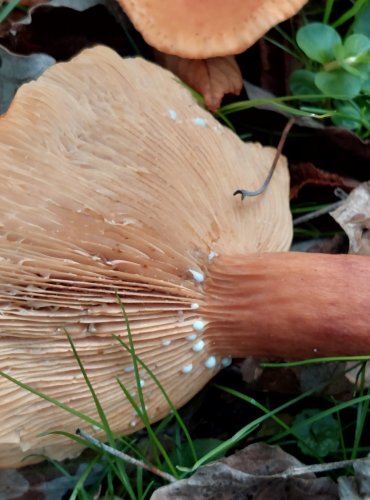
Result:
pixel 288 305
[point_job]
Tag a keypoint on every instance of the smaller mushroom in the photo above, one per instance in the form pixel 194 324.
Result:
pixel 210 28
pixel 192 37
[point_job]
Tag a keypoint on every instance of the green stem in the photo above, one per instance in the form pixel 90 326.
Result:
pixel 328 10
pixel 349 14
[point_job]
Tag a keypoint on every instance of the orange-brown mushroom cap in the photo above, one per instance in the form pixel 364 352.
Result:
pixel 113 178
pixel 198 29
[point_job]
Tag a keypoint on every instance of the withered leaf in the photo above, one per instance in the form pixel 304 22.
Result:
pixel 304 174
pixel 357 487
pixel 44 481
pixel 354 217
pixel 62 28
pixel 213 78
pixel 252 473
pixel 16 70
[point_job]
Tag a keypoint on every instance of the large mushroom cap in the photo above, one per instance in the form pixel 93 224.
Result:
pixel 206 28
pixel 112 178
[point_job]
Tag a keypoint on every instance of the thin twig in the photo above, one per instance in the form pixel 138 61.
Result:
pixel 312 469
pixel 309 469
pixel 125 457
pixel 339 193
pixel 243 192
pixel 317 213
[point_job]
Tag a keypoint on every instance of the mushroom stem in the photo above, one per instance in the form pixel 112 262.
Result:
pixel 288 305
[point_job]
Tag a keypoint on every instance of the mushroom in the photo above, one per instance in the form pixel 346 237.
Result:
pixel 193 37
pixel 210 28
pixel 127 186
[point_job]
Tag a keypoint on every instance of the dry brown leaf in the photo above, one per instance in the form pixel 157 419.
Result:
pixel 306 174
pixel 251 370
pixel 357 487
pixel 354 217
pixel 44 481
pixel 213 78
pixel 255 473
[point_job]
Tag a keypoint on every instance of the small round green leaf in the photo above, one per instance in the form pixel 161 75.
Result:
pixel 318 438
pixel 356 45
pixel 318 41
pixel 338 83
pixel 302 82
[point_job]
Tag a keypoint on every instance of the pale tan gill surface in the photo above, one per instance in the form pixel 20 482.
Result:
pixel 112 177
pixel 198 29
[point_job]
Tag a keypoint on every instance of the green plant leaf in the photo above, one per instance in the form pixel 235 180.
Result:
pixel 355 45
pixel 321 437
pixel 338 83
pixel 362 21
pixel 302 82
pixel 366 86
pixel 318 41
pixel 349 117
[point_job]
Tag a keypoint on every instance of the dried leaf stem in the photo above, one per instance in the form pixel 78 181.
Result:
pixel 245 193
pixel 317 468
pixel 342 195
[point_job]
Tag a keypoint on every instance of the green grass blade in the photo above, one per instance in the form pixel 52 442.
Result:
pixel 155 442
pixel 269 414
pixel 327 11
pixel 314 361
pixel 79 490
pixel 245 431
pixel 278 103
pixel 325 413
pixel 350 13
pixel 141 410
pixel 168 400
pixel 104 421
pixel 282 47
pixel 362 413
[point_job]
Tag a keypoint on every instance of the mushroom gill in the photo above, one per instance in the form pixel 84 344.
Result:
pixel 114 179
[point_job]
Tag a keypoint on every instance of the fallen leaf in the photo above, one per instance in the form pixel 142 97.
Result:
pixel 44 481
pixel 16 70
pixel 256 473
pixel 326 378
pixel 213 78
pixel 62 28
pixel 357 487
pixel 251 370
pixel 306 174
pixel 354 217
